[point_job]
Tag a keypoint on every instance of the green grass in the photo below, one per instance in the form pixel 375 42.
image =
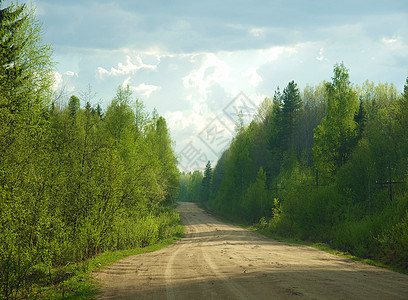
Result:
pixel 76 281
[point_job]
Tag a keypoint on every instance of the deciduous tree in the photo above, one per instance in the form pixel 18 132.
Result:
pixel 334 137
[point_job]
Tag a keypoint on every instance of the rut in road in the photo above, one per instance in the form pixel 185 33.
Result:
pixel 220 261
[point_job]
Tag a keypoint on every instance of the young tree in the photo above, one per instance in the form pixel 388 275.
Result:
pixel 334 137
pixel 310 116
pixel 264 109
pixel 167 159
pixel 73 105
pixel 255 199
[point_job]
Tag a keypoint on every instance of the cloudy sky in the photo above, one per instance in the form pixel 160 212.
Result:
pixel 198 61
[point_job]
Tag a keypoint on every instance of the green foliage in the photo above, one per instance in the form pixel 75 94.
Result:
pixel 326 156
pixel 358 236
pixel 255 198
pixel 206 183
pixel 190 186
pixel 394 243
pixel 291 105
pixel 275 221
pixel 335 136
pixel 313 110
pixel 73 105
pixel 74 182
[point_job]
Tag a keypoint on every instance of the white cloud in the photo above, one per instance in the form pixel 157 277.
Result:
pixel 125 69
pixel 257 32
pixel 273 53
pixel 63 82
pixel 175 120
pixel 389 41
pixel 253 76
pixel 71 74
pixel 321 56
pixel 212 70
pixel 192 120
pixel 395 43
pixel 58 80
pixel 144 89
pixel 58 83
pixel 126 82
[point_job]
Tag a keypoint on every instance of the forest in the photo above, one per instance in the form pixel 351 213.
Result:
pixel 327 164
pixel 75 180
pixel 324 164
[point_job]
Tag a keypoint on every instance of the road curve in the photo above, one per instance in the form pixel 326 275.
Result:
pixel 220 261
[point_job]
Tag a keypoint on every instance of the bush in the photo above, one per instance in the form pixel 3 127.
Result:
pixel 394 244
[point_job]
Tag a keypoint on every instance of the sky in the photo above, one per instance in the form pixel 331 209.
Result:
pixel 200 62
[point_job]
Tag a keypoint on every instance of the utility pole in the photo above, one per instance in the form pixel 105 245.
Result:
pixel 369 193
pixel 276 188
pixel 390 182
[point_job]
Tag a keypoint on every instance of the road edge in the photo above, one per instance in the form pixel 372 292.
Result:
pixel 319 246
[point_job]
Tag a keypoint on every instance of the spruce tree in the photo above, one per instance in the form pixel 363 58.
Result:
pixel 291 105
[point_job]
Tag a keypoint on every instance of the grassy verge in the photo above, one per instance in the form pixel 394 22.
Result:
pixel 76 281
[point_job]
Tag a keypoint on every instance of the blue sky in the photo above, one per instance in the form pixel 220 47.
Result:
pixel 190 59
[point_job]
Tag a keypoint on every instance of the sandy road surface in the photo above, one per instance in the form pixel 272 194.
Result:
pixel 220 261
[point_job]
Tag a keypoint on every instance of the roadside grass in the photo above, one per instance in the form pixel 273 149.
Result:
pixel 75 281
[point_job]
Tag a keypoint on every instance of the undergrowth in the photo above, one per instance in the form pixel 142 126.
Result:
pixel 75 281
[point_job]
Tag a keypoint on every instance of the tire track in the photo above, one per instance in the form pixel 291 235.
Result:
pixel 238 291
pixel 168 274
pixel 189 248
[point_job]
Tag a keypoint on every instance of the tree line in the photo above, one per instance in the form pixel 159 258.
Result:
pixel 326 164
pixel 74 180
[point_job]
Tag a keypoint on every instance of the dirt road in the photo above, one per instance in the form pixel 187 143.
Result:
pixel 220 261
